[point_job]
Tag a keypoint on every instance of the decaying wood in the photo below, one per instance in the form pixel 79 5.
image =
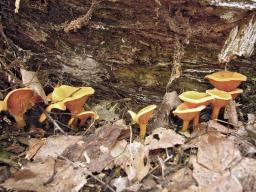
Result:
pixel 125 47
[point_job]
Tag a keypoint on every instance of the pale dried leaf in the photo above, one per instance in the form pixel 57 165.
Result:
pixel 163 138
pixel 120 183
pixel 217 154
pixel 34 146
pixel 245 171
pixel 219 127
pixel 226 183
pixel 29 79
pixel 66 177
pixel 55 145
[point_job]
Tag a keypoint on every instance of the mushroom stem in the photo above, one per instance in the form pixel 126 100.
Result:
pixel 143 128
pixel 196 121
pixel 20 122
pixel 185 125
pixel 215 113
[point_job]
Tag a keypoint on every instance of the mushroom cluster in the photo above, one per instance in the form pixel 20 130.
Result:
pixel 225 83
pixel 73 99
pixel 64 97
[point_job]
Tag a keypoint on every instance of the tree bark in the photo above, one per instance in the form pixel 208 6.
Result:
pixel 130 48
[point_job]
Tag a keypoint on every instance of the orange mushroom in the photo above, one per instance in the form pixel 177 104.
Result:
pixel 226 80
pixel 18 101
pixel 187 112
pixel 142 118
pixel 196 99
pixel 74 101
pixel 83 117
pixel 221 99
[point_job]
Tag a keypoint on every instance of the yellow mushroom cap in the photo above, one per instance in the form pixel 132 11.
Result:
pixel 226 76
pixel 62 92
pixel 182 109
pixel 79 93
pixel 84 116
pixel 218 94
pixel 195 97
pixel 59 105
pixel 236 91
pixel 143 111
pixel 3 106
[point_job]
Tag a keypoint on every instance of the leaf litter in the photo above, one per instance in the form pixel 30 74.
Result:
pixel 213 159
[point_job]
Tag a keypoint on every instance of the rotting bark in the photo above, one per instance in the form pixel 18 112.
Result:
pixel 127 48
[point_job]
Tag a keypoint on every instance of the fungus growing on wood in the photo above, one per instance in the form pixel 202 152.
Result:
pixel 187 112
pixel 221 99
pixel 196 99
pixel 226 80
pixel 142 118
pixel 18 101
pixel 83 117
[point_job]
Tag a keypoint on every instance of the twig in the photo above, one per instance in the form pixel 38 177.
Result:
pixel 53 174
pixel 55 124
pixel 83 20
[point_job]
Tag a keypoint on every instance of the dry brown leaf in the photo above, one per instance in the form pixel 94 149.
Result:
pixel 95 149
pixel 163 138
pixel 55 145
pixel 219 127
pixel 34 146
pixel 217 154
pixel 181 180
pixel 29 79
pixel 51 175
pixel 245 171
pixel 227 183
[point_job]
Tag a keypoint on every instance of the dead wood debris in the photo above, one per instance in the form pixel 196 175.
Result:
pixel 83 20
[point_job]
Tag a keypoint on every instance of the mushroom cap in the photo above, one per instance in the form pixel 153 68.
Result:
pixel 226 80
pixel 187 112
pixel 143 115
pixel 76 102
pixel 221 97
pixel 236 92
pixel 83 117
pixel 3 106
pixel 196 98
pixel 20 100
pixel 62 92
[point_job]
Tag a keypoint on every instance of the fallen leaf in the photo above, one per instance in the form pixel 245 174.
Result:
pixel 231 113
pixel 163 138
pixel 55 145
pixel 29 79
pixel 245 171
pixel 120 183
pixel 219 127
pixel 226 183
pixel 34 146
pixel 217 154
pixel 95 149
pixel 134 160
pixel 51 175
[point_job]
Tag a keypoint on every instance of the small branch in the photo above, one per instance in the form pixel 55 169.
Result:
pixel 83 20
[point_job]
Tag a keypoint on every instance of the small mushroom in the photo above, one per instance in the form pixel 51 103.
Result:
pixel 75 103
pixel 187 112
pixel 221 99
pixel 196 99
pixel 142 118
pixel 18 101
pixel 235 93
pixel 62 92
pixel 226 80
pixel 83 117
